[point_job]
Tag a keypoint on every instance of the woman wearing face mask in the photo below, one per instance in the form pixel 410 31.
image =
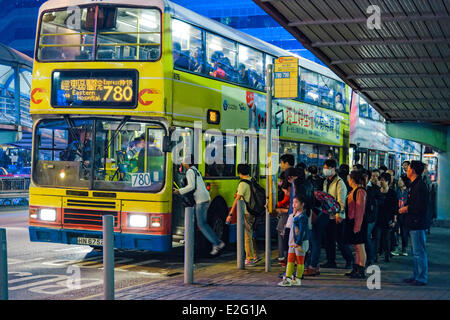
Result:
pixel 335 186
pixel 330 225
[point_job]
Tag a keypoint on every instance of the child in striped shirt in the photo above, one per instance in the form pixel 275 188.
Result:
pixel 298 242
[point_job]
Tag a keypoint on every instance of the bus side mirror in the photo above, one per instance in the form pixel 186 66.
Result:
pixel 167 144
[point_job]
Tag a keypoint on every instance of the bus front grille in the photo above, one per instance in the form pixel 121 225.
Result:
pixel 91 204
pixel 88 218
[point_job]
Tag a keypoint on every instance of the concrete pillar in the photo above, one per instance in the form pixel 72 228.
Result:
pixel 443 199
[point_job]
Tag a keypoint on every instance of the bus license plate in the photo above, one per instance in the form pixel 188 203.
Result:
pixel 90 241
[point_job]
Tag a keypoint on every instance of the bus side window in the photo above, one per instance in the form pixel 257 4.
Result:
pixel 224 159
pixel 187 47
pixel 251 65
pixel 221 55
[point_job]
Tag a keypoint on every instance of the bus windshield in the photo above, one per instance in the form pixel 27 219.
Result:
pixel 124 156
pixel 100 33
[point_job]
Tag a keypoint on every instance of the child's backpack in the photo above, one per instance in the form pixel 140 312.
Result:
pixel 325 204
pixel 257 204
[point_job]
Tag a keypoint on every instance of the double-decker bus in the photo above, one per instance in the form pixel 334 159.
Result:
pixel 113 81
pixel 371 146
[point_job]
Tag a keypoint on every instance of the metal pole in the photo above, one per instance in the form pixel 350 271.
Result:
pixel 108 257
pixel 240 251
pixel 3 266
pixel 17 95
pixel 189 245
pixel 421 153
pixel 269 160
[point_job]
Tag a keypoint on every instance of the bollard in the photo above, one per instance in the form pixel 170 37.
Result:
pixel 240 253
pixel 189 245
pixel 3 266
pixel 268 243
pixel 108 257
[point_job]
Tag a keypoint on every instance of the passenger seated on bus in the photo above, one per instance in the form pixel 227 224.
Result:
pixel 79 150
pixel 256 80
pixel 196 63
pixel 152 53
pixel 217 69
pixel 243 75
pixel 179 60
pixel 229 70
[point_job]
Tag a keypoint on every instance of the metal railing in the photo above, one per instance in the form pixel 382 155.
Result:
pixel 8 113
pixel 13 188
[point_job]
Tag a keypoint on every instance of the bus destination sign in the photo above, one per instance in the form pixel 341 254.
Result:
pixel 94 88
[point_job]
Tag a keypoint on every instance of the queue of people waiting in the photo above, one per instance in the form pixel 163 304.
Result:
pixel 367 211
pixel 220 67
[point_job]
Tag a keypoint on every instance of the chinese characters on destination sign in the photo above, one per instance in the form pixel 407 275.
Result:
pixel 102 88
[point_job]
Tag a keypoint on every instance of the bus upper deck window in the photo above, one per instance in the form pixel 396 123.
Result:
pixel 118 33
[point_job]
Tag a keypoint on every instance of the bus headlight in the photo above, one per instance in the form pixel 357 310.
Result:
pixel 47 214
pixel 137 221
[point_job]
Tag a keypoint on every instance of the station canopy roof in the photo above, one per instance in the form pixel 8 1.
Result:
pixel 401 68
pixel 11 56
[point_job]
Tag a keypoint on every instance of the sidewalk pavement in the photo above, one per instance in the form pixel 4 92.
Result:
pixel 225 282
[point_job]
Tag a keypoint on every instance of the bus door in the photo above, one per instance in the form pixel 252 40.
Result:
pixel 154 156
pixel 184 144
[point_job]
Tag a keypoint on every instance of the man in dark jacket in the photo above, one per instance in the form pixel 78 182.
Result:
pixel 416 221
pixel 314 178
pixel 373 198
pixel 387 216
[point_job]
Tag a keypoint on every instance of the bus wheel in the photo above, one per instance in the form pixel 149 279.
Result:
pixel 217 215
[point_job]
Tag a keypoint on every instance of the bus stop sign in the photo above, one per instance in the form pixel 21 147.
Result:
pixel 286 77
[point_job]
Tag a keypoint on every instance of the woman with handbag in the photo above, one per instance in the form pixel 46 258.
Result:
pixel 195 194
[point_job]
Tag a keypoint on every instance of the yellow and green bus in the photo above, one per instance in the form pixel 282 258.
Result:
pixel 113 81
